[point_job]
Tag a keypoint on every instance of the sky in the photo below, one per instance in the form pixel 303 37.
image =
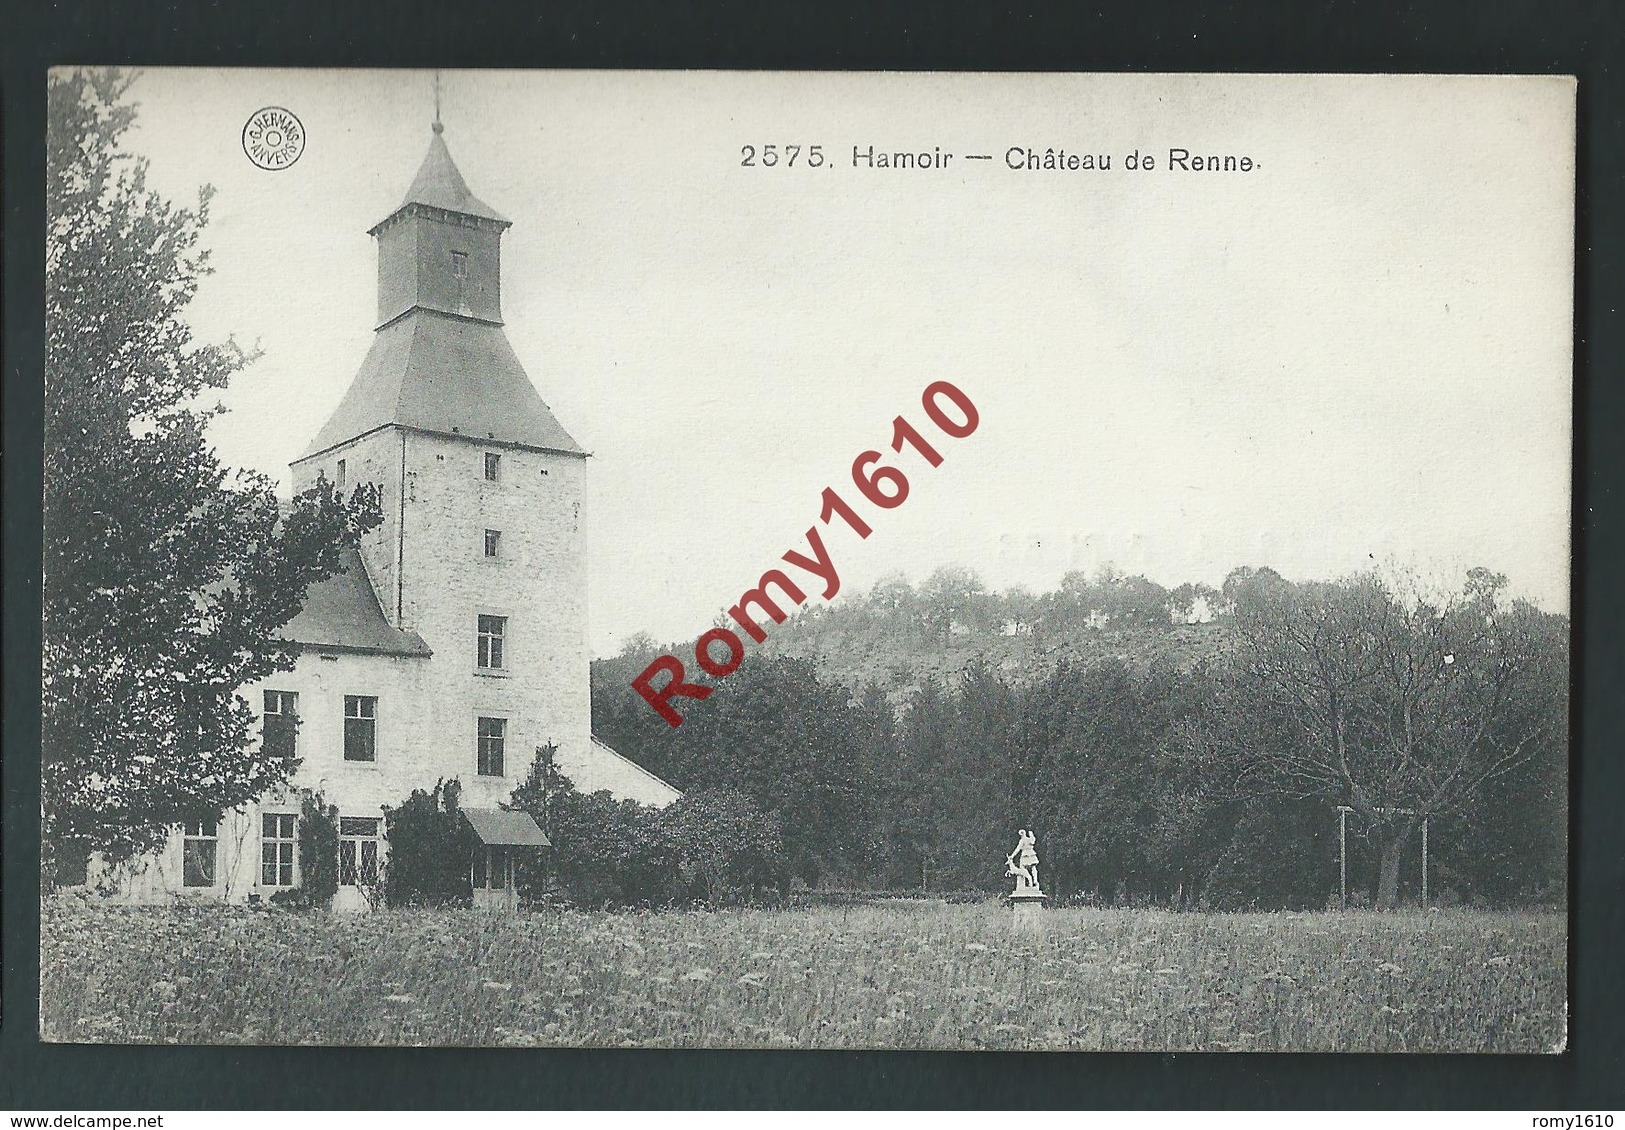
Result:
pixel 1357 353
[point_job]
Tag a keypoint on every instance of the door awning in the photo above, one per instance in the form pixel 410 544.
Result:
pixel 499 828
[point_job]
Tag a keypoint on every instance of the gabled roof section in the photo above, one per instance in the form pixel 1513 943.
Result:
pixel 343 613
pixel 439 185
pixel 600 768
pixel 441 373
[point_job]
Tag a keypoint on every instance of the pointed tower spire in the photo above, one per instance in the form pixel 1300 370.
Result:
pixel 439 185
pixel 440 362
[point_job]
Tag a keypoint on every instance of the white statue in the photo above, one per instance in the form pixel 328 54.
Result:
pixel 1022 863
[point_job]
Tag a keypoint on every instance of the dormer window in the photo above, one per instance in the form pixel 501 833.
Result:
pixel 493 467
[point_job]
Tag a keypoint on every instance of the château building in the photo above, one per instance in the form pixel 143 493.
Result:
pixel 453 644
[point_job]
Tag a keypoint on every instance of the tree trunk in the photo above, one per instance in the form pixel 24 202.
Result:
pixel 1393 852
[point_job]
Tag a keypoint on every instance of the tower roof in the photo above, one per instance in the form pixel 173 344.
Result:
pixel 439 373
pixel 436 365
pixel 439 185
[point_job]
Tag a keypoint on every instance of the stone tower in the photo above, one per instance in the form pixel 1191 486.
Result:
pixel 480 552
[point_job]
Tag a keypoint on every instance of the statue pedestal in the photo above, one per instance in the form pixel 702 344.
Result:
pixel 1027 910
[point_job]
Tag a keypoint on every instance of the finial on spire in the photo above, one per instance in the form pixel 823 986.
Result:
pixel 437 127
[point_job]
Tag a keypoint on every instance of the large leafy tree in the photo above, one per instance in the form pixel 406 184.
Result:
pixel 165 576
pixel 1400 705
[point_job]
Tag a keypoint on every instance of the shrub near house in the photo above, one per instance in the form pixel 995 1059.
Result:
pixel 714 846
pixel 430 848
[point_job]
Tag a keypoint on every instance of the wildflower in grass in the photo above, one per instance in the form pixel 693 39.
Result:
pixel 1389 968
pixel 698 973
pixel 400 998
pixel 976 947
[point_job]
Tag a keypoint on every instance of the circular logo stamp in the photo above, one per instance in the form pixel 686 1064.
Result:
pixel 273 138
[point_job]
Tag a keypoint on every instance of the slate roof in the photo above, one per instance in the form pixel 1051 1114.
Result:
pixel 500 828
pixel 439 185
pixel 342 613
pixel 440 373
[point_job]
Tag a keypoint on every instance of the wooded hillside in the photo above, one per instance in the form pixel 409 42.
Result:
pixel 900 738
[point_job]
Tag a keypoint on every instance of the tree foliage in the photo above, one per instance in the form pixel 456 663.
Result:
pixel 430 845
pixel 1400 705
pixel 777 733
pixel 711 846
pixel 725 848
pixel 604 853
pixel 165 577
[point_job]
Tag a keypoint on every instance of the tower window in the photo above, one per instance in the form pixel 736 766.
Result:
pixel 341 475
pixel 459 265
pixel 493 634
pixel 493 733
pixel 360 727
pixel 493 541
pixel 493 466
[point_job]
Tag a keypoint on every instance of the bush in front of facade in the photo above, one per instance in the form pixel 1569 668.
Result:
pixel 430 845
pixel 714 847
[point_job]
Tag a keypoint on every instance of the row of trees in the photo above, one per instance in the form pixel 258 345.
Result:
pixel 954 602
pixel 1214 781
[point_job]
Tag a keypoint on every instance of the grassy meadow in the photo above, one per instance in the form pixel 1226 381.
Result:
pixel 910 974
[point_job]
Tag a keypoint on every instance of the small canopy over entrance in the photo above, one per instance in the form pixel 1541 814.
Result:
pixel 491 872
pixel 499 828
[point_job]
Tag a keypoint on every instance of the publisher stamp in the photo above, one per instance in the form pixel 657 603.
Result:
pixel 273 138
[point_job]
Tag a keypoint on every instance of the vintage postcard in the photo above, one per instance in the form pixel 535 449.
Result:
pixel 754 560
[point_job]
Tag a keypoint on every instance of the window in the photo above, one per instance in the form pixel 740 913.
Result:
pixel 493 539
pixel 198 852
pixel 280 724
pixel 360 727
pixel 276 849
pixel 490 868
pixel 358 851
pixel 340 475
pixel 493 466
pixel 493 733
pixel 459 265
pixel 492 631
